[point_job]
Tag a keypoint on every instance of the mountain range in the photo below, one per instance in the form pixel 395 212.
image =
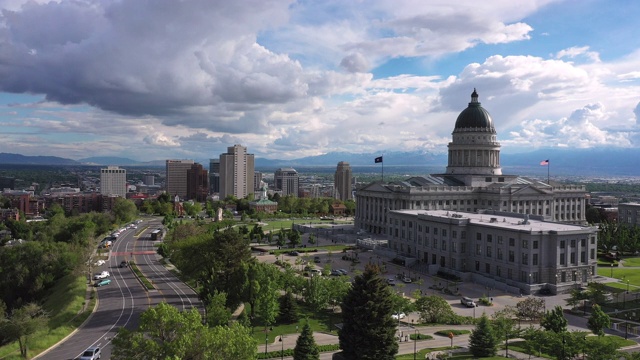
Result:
pixel 577 162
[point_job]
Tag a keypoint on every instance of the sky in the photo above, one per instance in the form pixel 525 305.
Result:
pixel 165 79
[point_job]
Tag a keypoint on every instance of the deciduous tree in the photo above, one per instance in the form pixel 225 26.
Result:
pixel 554 320
pixel 433 309
pixel 22 324
pixel 598 321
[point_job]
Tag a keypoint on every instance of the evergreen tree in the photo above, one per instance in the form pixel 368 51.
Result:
pixel 554 320
pixel 368 331
pixel 306 348
pixel 483 341
pixel 288 309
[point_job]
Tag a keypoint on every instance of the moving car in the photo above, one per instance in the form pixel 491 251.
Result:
pixel 468 302
pixel 92 353
pixel 102 282
pixel 124 263
pixel 102 275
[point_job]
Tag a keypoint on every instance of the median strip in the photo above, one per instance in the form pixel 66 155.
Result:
pixel 143 280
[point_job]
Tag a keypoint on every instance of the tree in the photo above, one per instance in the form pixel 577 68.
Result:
pixel 317 293
pixel 306 348
pixel 166 333
pixel 22 324
pixel 598 321
pixel 554 320
pixel 217 312
pixel 364 336
pixel 433 309
pixel 504 326
pixel 483 342
pixel 294 238
pixel 288 309
pixel 124 210
pixel 530 309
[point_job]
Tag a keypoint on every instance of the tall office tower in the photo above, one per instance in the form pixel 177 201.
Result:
pixel 214 175
pixel 113 181
pixel 197 183
pixel 286 180
pixel 236 172
pixel 342 181
pixel 149 179
pixel 176 180
pixel 257 180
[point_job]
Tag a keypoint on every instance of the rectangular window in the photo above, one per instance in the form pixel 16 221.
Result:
pixel 573 258
pixel 463 248
pixel 498 271
pixel 535 244
pixel 488 251
pixel 562 259
pixel 489 238
pixel 512 242
pixel 499 240
pixel 487 268
pixel 444 232
pixel 583 242
pixel 426 229
pixel 499 253
pixel 454 234
pixel 573 243
pixel 444 245
pixel 511 256
pixel 454 247
pixel 525 259
pixel 534 261
pixel 563 244
pixel 435 231
pixel 525 244
pixel 592 254
pixel 477 265
pixel 478 236
pixel 583 256
pixel 435 243
pixel 478 249
pixel 510 274
pixel 463 235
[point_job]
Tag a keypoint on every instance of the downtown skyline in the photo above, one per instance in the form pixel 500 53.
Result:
pixel 154 80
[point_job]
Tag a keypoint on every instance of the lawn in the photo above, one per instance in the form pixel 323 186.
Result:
pixel 631 262
pixel 67 311
pixel 324 322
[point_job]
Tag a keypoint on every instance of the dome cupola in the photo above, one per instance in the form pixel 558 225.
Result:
pixel 474 117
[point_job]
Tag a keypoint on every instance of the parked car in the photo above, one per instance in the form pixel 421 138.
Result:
pixel 294 253
pixel 102 282
pixel 316 259
pixel 406 280
pixel 468 302
pixel 335 273
pixel 398 316
pixel 102 275
pixel 92 353
pixel 391 282
pixel 343 271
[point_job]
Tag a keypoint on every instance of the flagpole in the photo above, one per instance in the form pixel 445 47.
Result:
pixel 382 163
pixel 548 170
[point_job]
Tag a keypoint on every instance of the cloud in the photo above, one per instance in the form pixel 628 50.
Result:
pixel 574 52
pixel 355 63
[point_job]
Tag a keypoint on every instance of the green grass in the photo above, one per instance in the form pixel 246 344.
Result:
pixel 623 274
pixel 66 308
pixel 336 249
pixel 421 354
pixel 323 322
pixel 631 261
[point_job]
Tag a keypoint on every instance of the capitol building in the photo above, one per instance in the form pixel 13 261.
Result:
pixel 506 231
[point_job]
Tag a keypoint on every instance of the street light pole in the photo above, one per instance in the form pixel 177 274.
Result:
pixel 611 270
pixel 282 350
pixel 415 340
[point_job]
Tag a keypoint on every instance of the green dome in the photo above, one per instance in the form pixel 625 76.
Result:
pixel 474 117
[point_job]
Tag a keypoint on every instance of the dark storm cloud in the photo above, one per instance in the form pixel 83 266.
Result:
pixel 163 58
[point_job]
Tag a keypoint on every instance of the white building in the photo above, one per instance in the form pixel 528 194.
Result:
pixel 473 181
pixel 113 181
pixel 503 251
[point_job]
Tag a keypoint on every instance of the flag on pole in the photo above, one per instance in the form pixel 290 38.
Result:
pixel 544 162
pixel 378 159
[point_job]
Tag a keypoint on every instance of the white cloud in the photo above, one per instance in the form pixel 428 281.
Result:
pixel 574 52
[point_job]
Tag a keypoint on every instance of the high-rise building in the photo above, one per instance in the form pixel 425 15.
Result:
pixel 149 179
pixel 236 172
pixel 342 181
pixel 257 181
pixel 197 183
pixel 176 180
pixel 214 175
pixel 287 181
pixel 113 181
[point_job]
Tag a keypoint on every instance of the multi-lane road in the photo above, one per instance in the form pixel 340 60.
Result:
pixel 121 302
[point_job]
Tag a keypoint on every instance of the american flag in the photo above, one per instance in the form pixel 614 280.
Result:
pixel 544 162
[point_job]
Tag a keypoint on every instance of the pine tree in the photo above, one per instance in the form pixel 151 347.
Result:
pixel 306 348
pixel 288 309
pixel 368 330
pixel 483 341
